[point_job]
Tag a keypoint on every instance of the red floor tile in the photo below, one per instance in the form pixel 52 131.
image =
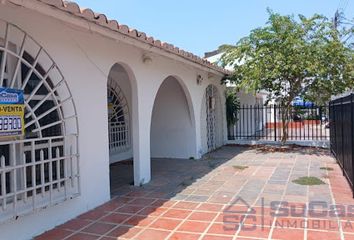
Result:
pixel 55 234
pixel 257 232
pixel 152 211
pixel 184 236
pixel 139 221
pixel 266 221
pixel 176 213
pixel 137 194
pixel 98 228
pixel 110 206
pixel 220 200
pixel 129 209
pixel 93 214
pixel 214 237
pixel 349 236
pixel 322 235
pixel 121 200
pixel 290 223
pixel 237 209
pixel 348 226
pixel 165 224
pixel 322 224
pixel 202 216
pixel 142 201
pixel 227 217
pixel 193 226
pixel 287 233
pixel 186 205
pixel 115 218
pixel 163 203
pixel 210 207
pixel 223 229
pixel 124 232
pixel 107 238
pixel 75 224
pixel 151 234
pixel 266 211
pixel 82 236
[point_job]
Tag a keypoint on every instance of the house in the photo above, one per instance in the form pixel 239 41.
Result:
pixel 95 92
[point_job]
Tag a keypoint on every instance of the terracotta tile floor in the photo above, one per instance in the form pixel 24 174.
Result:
pixel 212 199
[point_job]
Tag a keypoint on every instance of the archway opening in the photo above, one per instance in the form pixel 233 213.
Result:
pixel 119 105
pixel 172 124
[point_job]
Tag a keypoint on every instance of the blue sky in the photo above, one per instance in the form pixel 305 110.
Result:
pixel 203 25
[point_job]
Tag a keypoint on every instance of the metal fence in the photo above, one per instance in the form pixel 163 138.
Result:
pixel 342 134
pixel 258 122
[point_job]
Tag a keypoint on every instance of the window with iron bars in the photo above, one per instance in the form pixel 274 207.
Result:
pixel 118 118
pixel 41 168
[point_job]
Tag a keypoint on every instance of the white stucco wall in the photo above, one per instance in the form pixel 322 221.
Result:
pixel 86 58
pixel 172 124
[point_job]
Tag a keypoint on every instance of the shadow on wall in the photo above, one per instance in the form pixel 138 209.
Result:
pixel 172 125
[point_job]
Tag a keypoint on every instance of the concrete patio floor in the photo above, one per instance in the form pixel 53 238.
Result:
pixel 214 198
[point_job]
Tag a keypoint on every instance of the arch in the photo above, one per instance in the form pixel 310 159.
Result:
pixel 122 131
pixel 211 119
pixel 45 158
pixel 172 133
pixel 119 103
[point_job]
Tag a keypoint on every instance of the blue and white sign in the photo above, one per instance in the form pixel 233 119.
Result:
pixel 12 111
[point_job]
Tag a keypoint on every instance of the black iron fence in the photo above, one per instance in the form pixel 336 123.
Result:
pixel 342 134
pixel 258 122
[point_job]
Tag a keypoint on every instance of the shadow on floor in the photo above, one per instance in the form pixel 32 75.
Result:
pixel 184 197
pixel 169 176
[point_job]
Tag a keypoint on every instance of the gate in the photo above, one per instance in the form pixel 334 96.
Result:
pixel 211 95
pixel 264 123
pixel 342 134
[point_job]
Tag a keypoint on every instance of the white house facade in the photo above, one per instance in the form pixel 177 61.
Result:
pixel 95 92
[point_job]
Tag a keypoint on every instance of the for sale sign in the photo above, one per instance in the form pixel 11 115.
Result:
pixel 12 111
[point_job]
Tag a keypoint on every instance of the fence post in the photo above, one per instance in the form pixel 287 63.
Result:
pixel 342 134
pixel 352 137
pixel 275 122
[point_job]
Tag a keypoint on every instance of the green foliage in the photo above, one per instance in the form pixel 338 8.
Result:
pixel 239 167
pixel 232 106
pixel 292 57
pixel 308 181
pixel 327 168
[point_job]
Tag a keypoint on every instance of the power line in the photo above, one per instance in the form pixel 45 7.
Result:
pixel 342 5
pixel 345 5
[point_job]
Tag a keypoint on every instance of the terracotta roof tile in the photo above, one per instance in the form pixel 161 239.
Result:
pixel 101 19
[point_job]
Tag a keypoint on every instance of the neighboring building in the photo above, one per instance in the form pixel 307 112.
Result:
pixel 96 92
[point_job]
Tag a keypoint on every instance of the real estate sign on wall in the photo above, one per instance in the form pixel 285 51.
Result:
pixel 11 112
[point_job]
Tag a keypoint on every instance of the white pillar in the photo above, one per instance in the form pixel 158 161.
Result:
pixel 141 138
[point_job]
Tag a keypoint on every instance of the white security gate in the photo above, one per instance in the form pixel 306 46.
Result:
pixel 41 168
pixel 118 118
pixel 211 99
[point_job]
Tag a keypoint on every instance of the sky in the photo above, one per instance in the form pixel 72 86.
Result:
pixel 200 26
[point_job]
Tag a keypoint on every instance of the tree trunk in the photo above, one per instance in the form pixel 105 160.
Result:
pixel 285 116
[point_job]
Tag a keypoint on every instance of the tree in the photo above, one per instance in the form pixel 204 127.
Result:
pixel 292 57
